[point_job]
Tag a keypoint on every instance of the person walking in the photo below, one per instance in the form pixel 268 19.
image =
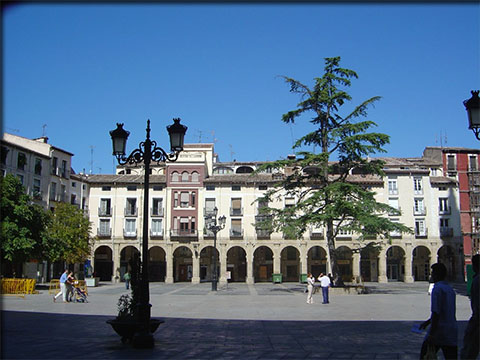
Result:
pixel 69 286
pixel 63 290
pixel 127 278
pixel 325 284
pixel 471 336
pixel 443 330
pixel 310 282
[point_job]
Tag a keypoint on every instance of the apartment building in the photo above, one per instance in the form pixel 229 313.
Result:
pixel 45 172
pixel 183 193
pixel 463 165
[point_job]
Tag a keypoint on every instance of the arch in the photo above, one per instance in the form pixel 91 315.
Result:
pixel 103 263
pixel 195 176
pixel 316 260
pixel 369 262
pixel 263 264
pixel 244 170
pixel 395 263
pixel 206 263
pixel 237 264
pixel 127 254
pixel 290 263
pixel 182 264
pixel 185 176
pixel 446 256
pixel 157 265
pixel 421 263
pixel 222 170
pixel 344 262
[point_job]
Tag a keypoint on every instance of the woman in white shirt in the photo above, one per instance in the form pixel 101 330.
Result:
pixel 310 282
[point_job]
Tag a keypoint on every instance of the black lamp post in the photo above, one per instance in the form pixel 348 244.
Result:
pixel 472 106
pixel 215 226
pixel 147 152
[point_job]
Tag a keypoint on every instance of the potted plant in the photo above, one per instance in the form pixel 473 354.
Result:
pixel 127 323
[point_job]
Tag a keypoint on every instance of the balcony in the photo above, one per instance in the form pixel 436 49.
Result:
pixel 420 211
pixel 317 234
pixel 263 234
pixel 236 233
pixel 156 235
pixel 236 211
pixel 421 234
pixel 130 234
pixel 104 233
pixel 446 232
pixel 105 211
pixel 156 212
pixel 445 210
pixel 131 211
pixel 183 235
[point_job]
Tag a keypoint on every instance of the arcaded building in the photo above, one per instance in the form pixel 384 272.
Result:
pixel 182 193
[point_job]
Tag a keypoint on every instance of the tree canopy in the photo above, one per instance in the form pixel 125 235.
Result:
pixel 323 183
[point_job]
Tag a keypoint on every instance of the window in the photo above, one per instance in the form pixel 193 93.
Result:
pixel 222 170
pixel 64 168
pixel 105 188
pixel 395 233
pixel 444 223
pixel 392 187
pixel 157 206
pixel 417 185
pixel 74 184
pixel 443 206
pixel 433 172
pixel 131 187
pixel 419 207
pixel 54 165
pixel 157 188
pixel 236 188
pixel 210 187
pixel 289 202
pixel 175 177
pixel 130 227
pixel 451 163
pixel 4 153
pixel 21 161
pixel 104 227
pixel 236 208
pixel 105 207
pixel 157 227
pixel 195 176
pixel 184 229
pixel 37 189
pixel 21 178
pixel 473 163
pixel 175 199
pixel 236 228
pixel 420 229
pixel 393 202
pixel 184 199
pixel 73 199
pixel 38 166
pixel 185 176
pixel 209 206
pixel 131 207
pixel 53 191
pixel 262 187
pixel 193 199
pixel 63 192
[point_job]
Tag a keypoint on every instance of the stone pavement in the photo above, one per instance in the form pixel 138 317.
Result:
pixel 240 321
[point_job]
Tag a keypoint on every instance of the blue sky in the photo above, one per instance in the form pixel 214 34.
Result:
pixel 81 68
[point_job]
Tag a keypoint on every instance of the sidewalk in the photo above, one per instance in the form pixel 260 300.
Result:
pixel 261 321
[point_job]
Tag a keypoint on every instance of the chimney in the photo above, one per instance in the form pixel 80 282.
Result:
pixel 42 139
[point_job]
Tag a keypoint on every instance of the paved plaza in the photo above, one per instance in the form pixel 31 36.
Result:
pixel 239 321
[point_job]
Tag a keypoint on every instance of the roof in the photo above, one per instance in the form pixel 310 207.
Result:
pixel 442 180
pixel 125 179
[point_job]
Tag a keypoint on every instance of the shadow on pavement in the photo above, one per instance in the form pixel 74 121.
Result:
pixel 27 335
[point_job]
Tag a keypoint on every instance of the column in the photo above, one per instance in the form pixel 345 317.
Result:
pixel 382 266
pixel 408 277
pixel 223 264
pixel 276 261
pixel 169 264
pixel 356 265
pixel 116 263
pixel 195 266
pixel 249 259
pixel 303 259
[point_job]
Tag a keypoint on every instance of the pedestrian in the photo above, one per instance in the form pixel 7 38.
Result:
pixel 431 284
pixel 331 279
pixel 325 284
pixel 63 289
pixel 443 330
pixel 310 282
pixel 69 286
pixel 127 278
pixel 471 337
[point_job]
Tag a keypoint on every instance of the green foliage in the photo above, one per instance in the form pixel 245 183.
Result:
pixel 23 222
pixel 325 191
pixel 68 235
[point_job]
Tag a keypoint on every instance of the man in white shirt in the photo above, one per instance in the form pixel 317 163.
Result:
pixel 325 284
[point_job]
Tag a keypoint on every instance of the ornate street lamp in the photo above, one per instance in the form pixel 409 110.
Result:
pixel 147 152
pixel 472 106
pixel 214 226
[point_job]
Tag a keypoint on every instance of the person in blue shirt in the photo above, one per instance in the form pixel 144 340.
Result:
pixel 63 288
pixel 443 330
